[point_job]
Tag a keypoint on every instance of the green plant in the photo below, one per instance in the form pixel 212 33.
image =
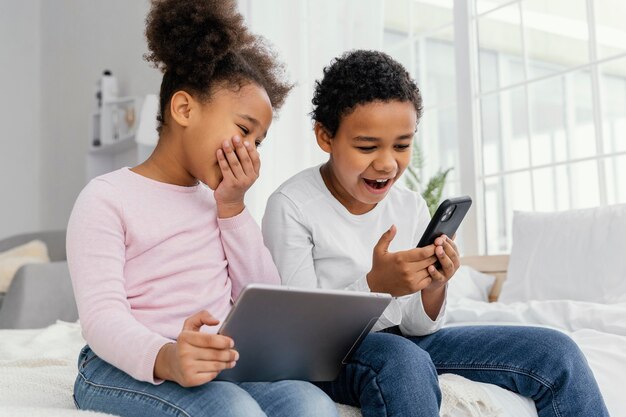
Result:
pixel 434 187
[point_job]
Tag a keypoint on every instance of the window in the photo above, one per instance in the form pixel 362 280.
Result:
pixel 548 91
pixel 420 34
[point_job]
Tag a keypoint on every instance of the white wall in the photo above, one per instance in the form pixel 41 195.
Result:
pixel 51 54
pixel 57 51
pixel 307 35
pixel 79 39
pixel 19 116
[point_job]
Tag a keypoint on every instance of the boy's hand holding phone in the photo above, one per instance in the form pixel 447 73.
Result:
pixel 400 273
pixel 445 222
pixel 428 267
pixel 196 358
pixel 240 165
pixel 433 296
pixel 448 256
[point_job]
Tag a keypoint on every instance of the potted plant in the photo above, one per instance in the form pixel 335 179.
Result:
pixel 434 187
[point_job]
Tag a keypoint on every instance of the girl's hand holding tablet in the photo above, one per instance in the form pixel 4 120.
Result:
pixel 240 164
pixel 196 358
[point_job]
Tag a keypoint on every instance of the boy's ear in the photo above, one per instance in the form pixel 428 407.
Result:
pixel 181 105
pixel 324 140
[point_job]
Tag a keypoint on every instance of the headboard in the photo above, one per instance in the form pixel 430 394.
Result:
pixel 496 265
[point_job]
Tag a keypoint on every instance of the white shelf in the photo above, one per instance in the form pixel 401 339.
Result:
pixel 119 100
pixel 108 122
pixel 120 145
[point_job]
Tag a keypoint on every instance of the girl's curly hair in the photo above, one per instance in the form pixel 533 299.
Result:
pixel 198 44
pixel 361 77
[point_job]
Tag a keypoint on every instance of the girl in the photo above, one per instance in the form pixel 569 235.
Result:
pixel 154 255
pixel 324 226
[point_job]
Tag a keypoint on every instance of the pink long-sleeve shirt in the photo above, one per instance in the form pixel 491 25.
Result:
pixel 145 255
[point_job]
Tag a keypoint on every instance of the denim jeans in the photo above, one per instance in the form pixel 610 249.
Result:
pixel 102 387
pixel 393 375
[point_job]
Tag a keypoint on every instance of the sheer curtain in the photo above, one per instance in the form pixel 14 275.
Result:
pixel 307 35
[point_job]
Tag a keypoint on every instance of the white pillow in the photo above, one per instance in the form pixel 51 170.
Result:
pixel 470 283
pixel 13 259
pixel 573 255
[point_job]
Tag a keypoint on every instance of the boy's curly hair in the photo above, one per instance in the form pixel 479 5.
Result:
pixel 198 44
pixel 361 77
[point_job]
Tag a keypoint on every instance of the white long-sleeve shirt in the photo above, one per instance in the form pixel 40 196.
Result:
pixel 317 243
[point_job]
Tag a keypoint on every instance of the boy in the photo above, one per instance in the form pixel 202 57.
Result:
pixel 347 225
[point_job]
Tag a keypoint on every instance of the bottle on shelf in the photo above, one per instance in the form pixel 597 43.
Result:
pixel 137 131
pixel 106 88
pixel 113 117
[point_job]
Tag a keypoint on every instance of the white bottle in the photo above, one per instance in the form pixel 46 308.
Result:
pixel 108 85
pixel 109 118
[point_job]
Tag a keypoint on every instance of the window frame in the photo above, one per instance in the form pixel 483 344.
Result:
pixel 471 173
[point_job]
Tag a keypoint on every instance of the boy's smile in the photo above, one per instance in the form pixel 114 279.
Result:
pixel 369 152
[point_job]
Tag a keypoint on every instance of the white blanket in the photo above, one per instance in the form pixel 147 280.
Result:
pixel 37 371
pixel 38 368
pixel 599 330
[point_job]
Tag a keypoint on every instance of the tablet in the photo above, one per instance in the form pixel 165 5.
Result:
pixel 296 333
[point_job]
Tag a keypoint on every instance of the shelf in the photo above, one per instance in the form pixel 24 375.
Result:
pixel 112 102
pixel 120 145
pixel 119 100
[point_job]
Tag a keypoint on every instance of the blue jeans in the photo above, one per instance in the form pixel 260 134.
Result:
pixel 393 375
pixel 102 387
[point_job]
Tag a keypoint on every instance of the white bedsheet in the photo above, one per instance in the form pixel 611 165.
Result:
pixel 38 368
pixel 599 330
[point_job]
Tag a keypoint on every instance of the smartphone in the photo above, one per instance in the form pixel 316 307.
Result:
pixel 446 220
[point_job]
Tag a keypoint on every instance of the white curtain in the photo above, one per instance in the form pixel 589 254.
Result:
pixel 307 35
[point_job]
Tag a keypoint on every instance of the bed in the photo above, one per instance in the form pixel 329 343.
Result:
pixel 37 366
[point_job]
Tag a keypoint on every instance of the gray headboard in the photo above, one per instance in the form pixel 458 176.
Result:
pixel 54 240
pixel 40 294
